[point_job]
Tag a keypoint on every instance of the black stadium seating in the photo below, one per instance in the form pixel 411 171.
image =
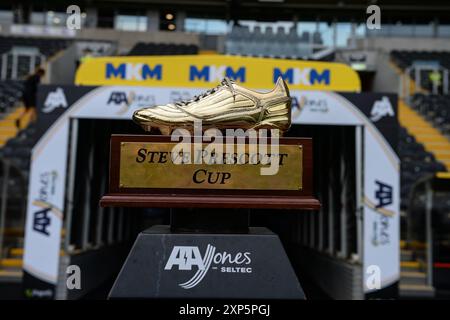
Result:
pixel 18 149
pixel 271 43
pixel 405 59
pixel 435 108
pixel 416 162
pixel 47 47
pixel 10 93
pixel 155 49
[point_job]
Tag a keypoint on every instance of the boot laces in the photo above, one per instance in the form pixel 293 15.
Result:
pixel 227 82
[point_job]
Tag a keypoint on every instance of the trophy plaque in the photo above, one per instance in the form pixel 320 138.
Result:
pixel 143 174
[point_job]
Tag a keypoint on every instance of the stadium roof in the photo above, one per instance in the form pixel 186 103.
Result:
pixel 406 11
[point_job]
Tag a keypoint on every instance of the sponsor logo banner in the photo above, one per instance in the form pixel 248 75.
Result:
pixel 203 71
pixel 189 258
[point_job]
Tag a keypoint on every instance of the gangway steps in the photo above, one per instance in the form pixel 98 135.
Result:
pixel 410 265
pixel 11 263
pixel 16 252
pixel 8 276
pixel 414 290
pixel 413 279
pixel 8 124
pixel 406 255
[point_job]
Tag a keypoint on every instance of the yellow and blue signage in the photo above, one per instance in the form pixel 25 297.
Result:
pixel 204 71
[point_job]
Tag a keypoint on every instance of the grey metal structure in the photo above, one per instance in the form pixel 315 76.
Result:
pixel 12 57
pixel 416 69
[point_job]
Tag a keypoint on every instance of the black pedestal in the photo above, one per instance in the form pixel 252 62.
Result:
pixel 163 264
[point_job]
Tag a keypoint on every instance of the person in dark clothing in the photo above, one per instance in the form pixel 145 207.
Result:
pixel 30 88
pixel 29 94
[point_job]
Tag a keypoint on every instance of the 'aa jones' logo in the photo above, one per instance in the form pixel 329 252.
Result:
pixel 186 257
pixel 55 99
pixel 41 217
pixel 305 76
pixel 381 233
pixel 383 194
pixel 133 71
pixel 380 109
pixel 120 98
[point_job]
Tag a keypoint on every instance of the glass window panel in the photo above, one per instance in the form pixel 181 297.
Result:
pixel 344 31
pixel 207 26
pixel 6 16
pixel 131 23
pixel 444 31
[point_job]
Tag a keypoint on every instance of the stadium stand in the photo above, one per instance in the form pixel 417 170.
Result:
pixel 10 93
pixel 405 59
pixel 242 41
pixel 19 56
pixel 29 52
pixel 423 146
pixel 434 108
pixel 10 111
pixel 415 163
pixel 155 49
pixel 18 148
pixel 424 149
pixel 15 159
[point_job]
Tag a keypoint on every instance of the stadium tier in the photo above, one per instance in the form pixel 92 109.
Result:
pixel 426 62
pixel 155 49
pixel 243 41
pixel 405 58
pixel 21 55
pixel 416 163
pixel 434 108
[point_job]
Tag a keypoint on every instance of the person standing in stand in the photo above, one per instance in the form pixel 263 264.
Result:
pixel 29 94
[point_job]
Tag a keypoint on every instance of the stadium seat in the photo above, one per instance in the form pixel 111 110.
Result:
pixel 155 49
pixel 404 59
pixel 271 43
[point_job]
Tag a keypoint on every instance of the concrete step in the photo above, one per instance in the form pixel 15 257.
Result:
pixel 413 278
pixel 443 153
pixel 406 255
pixel 403 244
pixel 417 291
pixel 14 275
pixel 10 263
pixel 16 252
pixel 411 266
pixel 14 232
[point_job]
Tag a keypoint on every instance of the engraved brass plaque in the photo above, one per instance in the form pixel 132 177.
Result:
pixel 158 165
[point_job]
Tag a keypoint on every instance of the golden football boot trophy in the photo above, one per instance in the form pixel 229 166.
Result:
pixel 226 106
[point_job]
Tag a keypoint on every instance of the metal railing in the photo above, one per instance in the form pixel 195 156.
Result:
pixel 11 59
pixel 413 73
pixel 9 173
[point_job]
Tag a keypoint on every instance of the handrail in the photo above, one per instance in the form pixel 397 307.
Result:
pixel 6 165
